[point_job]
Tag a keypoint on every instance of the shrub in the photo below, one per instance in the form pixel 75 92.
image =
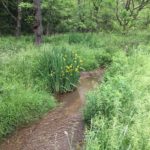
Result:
pixel 59 68
pixel 109 99
pixel 117 112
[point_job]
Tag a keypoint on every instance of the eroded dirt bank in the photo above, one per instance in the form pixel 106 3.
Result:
pixel 60 129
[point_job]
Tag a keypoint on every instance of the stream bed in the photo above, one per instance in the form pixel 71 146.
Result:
pixel 60 129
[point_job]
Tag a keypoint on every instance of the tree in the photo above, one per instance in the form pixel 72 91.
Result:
pixel 128 10
pixel 96 9
pixel 51 11
pixel 10 7
pixel 38 29
pixel 19 17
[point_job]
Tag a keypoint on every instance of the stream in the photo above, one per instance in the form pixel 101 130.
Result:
pixel 60 129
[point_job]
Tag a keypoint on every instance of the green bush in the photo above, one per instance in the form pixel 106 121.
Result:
pixel 117 111
pixel 108 99
pixel 59 68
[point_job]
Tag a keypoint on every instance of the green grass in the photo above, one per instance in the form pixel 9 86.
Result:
pixel 21 100
pixel 29 75
pixel 20 105
pixel 117 111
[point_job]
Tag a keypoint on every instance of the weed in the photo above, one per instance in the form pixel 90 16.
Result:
pixel 60 69
pixel 116 111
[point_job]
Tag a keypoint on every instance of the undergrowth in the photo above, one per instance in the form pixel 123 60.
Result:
pixel 29 74
pixel 117 111
pixel 20 105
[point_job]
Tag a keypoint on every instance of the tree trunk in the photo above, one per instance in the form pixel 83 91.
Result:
pixel 19 17
pixel 38 29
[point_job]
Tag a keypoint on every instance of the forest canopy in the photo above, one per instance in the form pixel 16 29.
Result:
pixel 59 16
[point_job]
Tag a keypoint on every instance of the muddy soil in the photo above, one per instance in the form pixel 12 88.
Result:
pixel 60 129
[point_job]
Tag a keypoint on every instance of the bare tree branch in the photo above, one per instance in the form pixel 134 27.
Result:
pixel 117 12
pixel 132 9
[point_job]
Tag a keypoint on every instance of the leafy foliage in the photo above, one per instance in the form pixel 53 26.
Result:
pixel 72 15
pixel 60 69
pixel 116 109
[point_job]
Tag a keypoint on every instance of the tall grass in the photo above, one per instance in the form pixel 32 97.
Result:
pixel 59 68
pixel 21 101
pixel 117 111
pixel 29 74
pixel 20 105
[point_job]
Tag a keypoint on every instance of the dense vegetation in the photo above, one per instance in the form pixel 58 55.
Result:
pixel 61 16
pixel 118 109
pixel 29 74
pixel 79 36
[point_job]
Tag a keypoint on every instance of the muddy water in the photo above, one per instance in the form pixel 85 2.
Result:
pixel 61 129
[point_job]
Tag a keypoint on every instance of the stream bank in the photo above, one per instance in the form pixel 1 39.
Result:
pixel 60 129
